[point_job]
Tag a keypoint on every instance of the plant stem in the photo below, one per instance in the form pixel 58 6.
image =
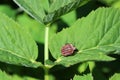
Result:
pixel 46 76
pixel 46 52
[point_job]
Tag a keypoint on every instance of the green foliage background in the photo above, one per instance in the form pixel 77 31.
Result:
pixel 100 70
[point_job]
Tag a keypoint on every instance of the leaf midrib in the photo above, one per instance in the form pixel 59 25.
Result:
pixel 30 12
pixel 15 54
pixel 96 47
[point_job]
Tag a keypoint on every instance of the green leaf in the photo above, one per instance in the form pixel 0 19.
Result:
pixel 84 77
pixel 112 3
pixel 61 7
pixel 116 4
pixel 91 65
pixel 34 27
pixel 8 11
pixel 16 45
pixel 54 9
pixel 69 18
pixel 82 67
pixel 45 4
pixel 33 8
pixel 4 76
pixel 16 77
pixel 116 76
pixel 94 36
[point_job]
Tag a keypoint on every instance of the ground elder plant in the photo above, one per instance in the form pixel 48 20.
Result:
pixel 74 53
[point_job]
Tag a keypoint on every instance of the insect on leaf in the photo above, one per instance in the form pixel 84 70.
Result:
pixel 94 36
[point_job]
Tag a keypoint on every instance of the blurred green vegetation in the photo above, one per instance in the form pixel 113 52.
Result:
pixel 101 71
